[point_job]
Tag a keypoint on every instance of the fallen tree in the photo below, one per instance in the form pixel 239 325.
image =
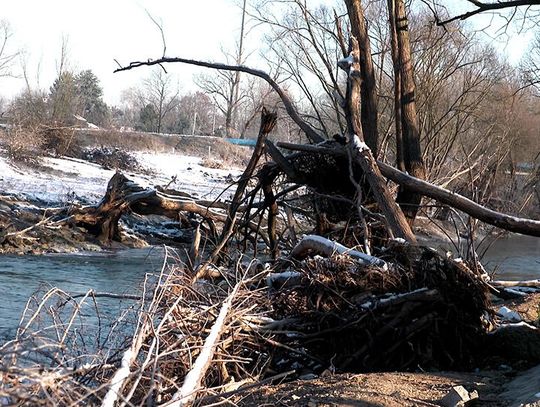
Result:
pixel 385 201
pixel 510 223
pixel 122 196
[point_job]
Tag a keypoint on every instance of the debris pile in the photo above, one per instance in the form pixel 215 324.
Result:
pixel 112 158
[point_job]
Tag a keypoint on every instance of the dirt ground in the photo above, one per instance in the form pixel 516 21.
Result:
pixel 377 389
pixel 500 387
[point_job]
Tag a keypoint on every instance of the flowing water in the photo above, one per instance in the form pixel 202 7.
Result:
pixel 120 272
pixel 515 258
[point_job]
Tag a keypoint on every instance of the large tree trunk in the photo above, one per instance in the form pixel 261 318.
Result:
pixel 368 87
pixel 361 153
pixel 412 153
pixel 400 161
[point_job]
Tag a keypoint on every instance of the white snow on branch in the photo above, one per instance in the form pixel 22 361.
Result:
pixel 359 144
pixel 287 278
pixel 345 63
pixel 508 315
pixel 514 325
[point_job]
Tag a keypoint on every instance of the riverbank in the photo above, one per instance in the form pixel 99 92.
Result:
pixel 31 195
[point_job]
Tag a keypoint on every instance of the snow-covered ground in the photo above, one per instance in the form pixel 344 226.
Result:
pixel 66 179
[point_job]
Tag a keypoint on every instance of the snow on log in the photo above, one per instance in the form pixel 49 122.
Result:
pixel 508 315
pixel 328 247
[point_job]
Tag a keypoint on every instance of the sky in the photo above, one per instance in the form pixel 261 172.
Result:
pixel 98 32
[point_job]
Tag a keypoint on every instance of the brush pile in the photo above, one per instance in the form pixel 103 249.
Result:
pixel 199 338
pixel 224 321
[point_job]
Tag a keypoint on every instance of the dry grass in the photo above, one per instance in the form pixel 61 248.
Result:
pixel 53 361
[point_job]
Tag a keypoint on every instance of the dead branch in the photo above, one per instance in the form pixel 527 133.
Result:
pixel 326 247
pixel 289 106
pixel 192 381
pixel 268 122
pixel 507 222
pixel 522 283
pixel 482 7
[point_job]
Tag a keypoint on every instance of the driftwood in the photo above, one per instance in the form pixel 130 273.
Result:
pixel 320 245
pixel 192 381
pixel 522 283
pixel 124 195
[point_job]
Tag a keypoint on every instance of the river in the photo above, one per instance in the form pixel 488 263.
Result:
pixel 515 258
pixel 112 272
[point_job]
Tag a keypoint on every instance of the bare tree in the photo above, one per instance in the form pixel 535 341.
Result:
pixel 7 56
pixel 410 128
pixel 302 46
pixel 161 94
pixel 483 7
pixel 369 111
pixel 225 87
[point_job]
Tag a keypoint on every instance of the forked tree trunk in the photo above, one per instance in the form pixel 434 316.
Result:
pixel 361 153
pixel 368 87
pixel 412 152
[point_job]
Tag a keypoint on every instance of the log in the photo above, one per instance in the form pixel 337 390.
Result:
pixel 510 223
pixel 328 247
pixel 522 283
pixel 124 195
pixel 507 222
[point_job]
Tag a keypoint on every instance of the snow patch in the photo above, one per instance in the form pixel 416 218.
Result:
pixel 72 179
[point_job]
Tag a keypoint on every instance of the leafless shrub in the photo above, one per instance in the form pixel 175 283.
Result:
pixel 212 163
pixel 22 144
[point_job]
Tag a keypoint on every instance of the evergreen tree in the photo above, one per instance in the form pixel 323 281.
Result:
pixel 148 119
pixel 63 98
pixel 90 98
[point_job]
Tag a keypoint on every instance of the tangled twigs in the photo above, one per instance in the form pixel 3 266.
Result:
pixel 192 381
pixel 268 122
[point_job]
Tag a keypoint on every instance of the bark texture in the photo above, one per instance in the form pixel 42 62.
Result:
pixel 412 152
pixel 362 154
pixel 368 87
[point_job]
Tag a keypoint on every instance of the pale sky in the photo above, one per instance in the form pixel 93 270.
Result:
pixel 100 31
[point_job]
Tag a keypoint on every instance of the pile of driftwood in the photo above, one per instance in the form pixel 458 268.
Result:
pixel 323 308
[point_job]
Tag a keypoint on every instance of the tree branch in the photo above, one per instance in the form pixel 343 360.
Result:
pixel 312 135
pixel 510 223
pixel 483 7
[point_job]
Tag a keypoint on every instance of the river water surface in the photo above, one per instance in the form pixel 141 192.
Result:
pixel 120 272
pixel 515 258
